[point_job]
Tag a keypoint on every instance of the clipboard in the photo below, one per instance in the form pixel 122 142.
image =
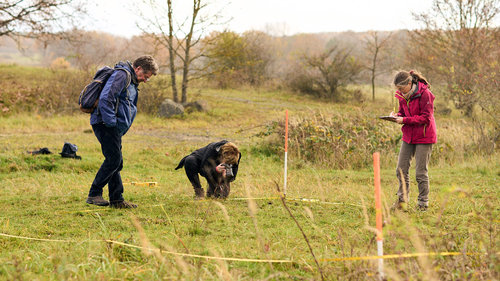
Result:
pixel 388 118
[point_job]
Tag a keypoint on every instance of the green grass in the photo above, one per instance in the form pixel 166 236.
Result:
pixel 44 197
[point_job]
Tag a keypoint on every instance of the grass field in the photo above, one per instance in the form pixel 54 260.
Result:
pixel 43 197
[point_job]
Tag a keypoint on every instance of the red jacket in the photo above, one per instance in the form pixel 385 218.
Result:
pixel 418 112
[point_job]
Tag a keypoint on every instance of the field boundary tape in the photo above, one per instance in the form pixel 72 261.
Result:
pixel 394 256
pixel 147 249
pixel 307 200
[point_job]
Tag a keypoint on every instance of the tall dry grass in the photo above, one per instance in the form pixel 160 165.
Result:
pixel 341 141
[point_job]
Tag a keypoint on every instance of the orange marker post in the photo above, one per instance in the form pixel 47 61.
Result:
pixel 286 151
pixel 378 212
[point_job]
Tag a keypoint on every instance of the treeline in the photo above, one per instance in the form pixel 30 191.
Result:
pixel 252 58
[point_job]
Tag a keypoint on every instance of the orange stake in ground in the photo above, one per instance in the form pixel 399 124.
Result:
pixel 378 212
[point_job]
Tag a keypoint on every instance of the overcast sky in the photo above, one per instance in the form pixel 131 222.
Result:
pixel 284 16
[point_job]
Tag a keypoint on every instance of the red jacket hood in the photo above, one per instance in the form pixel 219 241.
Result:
pixel 421 88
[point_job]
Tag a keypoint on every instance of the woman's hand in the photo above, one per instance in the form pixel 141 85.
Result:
pixel 221 169
pixel 399 120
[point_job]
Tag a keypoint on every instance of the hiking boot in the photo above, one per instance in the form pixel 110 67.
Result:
pixel 422 208
pixel 199 193
pixel 399 205
pixel 122 205
pixel 97 200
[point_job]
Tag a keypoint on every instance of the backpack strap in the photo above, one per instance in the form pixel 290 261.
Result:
pixel 129 80
pixel 129 76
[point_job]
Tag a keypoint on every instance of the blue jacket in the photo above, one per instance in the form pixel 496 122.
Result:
pixel 118 103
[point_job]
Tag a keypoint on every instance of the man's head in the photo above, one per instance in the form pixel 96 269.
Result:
pixel 145 67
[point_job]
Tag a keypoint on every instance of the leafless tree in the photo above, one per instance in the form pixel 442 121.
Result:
pixel 374 46
pixel 181 39
pixel 460 45
pixel 36 18
pixel 171 50
pixel 457 40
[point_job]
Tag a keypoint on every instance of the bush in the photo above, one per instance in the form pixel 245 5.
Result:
pixel 348 141
pixel 233 60
pixel 337 142
pixel 33 89
pixel 299 81
pixel 60 63
pixel 153 93
pixel 325 74
pixel 40 90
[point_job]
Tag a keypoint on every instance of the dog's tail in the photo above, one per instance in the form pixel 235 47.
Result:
pixel 181 164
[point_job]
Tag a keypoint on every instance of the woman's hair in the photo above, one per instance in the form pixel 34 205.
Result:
pixel 229 153
pixel 404 77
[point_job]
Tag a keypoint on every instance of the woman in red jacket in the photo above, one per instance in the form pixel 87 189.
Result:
pixel 416 113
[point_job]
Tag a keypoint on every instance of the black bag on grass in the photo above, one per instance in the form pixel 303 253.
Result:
pixel 69 151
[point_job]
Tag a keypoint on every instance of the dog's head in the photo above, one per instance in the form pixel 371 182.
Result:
pixel 229 153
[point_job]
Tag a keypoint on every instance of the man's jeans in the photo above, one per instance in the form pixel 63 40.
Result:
pixel 422 153
pixel 109 173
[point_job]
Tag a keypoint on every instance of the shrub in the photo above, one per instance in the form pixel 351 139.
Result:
pixel 40 90
pixel 33 89
pixel 233 59
pixel 60 63
pixel 153 93
pixel 325 74
pixel 348 141
pixel 338 141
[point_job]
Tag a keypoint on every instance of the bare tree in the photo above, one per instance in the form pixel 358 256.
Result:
pixel 374 46
pixel 460 45
pixel 36 17
pixel 171 50
pixel 457 40
pixel 188 43
pixel 182 40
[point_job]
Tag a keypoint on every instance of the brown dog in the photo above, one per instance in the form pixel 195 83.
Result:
pixel 217 163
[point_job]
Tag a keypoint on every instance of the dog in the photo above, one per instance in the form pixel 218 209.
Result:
pixel 217 163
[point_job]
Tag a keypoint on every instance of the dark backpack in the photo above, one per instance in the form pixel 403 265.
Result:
pixel 69 151
pixel 89 97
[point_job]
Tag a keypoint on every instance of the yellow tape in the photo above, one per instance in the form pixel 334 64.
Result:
pixel 197 256
pixel 147 183
pixel 83 211
pixel 36 239
pixel 256 198
pixel 402 256
pixel 298 199
pixel 149 249
pixel 253 260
